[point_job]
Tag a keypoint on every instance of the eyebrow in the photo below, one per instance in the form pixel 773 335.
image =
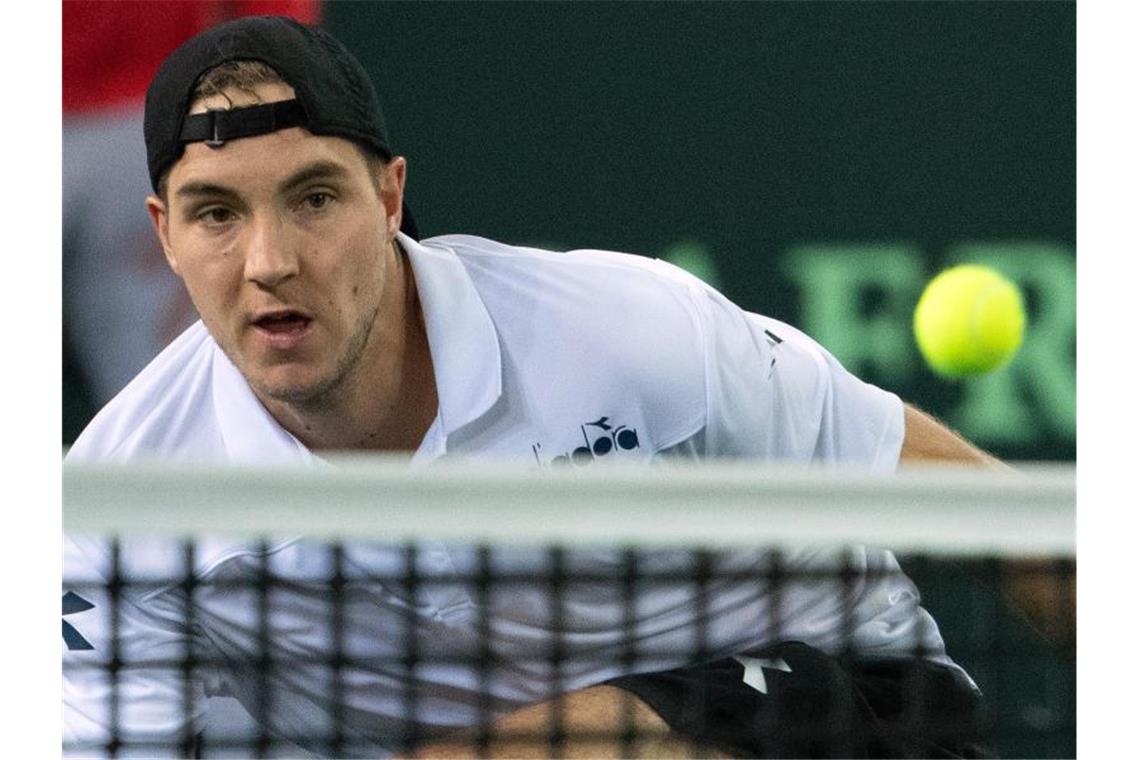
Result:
pixel 314 171
pixel 200 189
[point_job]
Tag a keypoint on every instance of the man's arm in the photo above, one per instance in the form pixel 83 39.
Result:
pixel 593 721
pixel 1031 586
pixel 927 441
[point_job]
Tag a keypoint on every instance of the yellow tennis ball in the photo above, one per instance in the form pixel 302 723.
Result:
pixel 969 320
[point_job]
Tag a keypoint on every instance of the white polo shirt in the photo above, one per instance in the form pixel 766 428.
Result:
pixel 551 359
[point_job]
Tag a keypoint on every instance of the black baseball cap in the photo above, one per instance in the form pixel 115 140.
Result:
pixel 334 94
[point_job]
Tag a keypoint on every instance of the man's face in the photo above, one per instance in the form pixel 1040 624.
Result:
pixel 284 241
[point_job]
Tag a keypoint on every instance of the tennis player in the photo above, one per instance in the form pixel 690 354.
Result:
pixel 328 324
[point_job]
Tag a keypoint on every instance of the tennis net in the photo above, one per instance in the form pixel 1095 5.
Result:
pixel 368 608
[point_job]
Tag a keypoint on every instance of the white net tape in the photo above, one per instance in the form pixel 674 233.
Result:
pixel 946 510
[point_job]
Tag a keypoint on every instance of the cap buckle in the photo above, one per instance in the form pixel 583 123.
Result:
pixel 215 140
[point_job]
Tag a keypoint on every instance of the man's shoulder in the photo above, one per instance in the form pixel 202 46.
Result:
pixel 574 280
pixel 592 328
pixel 607 265
pixel 162 410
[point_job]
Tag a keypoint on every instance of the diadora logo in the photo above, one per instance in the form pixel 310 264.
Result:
pixel 73 603
pixel 599 439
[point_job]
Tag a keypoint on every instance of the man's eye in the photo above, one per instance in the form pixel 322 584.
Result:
pixel 318 200
pixel 216 215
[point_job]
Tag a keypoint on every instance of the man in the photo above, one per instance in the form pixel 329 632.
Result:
pixel 326 325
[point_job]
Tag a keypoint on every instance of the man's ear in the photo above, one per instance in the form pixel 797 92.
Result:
pixel 161 221
pixel 392 192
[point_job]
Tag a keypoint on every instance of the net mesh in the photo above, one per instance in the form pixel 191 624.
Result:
pixel 368 609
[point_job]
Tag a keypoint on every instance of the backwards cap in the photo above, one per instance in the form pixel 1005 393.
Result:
pixel 334 94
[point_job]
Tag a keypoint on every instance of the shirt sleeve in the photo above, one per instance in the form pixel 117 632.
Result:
pixel 776 394
pixel 773 393
pixel 856 598
pixel 123 679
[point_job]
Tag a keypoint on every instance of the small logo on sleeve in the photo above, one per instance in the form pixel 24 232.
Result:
pixel 773 341
pixel 73 603
pixel 600 438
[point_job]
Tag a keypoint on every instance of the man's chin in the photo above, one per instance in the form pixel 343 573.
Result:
pixel 293 391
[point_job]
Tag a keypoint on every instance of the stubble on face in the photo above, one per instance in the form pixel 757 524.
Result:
pixel 324 393
pixel 330 390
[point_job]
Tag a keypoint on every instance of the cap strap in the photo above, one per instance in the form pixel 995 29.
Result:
pixel 216 126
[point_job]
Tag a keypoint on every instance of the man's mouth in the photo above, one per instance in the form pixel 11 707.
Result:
pixel 282 329
pixel 282 322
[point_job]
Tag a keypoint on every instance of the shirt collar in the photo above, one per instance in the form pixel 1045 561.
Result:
pixel 249 432
pixel 463 340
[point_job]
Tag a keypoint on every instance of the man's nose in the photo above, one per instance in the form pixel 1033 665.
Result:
pixel 270 256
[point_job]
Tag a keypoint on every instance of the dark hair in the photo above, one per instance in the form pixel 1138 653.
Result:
pixel 242 75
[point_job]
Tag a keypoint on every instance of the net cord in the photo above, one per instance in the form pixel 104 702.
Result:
pixel 951 511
